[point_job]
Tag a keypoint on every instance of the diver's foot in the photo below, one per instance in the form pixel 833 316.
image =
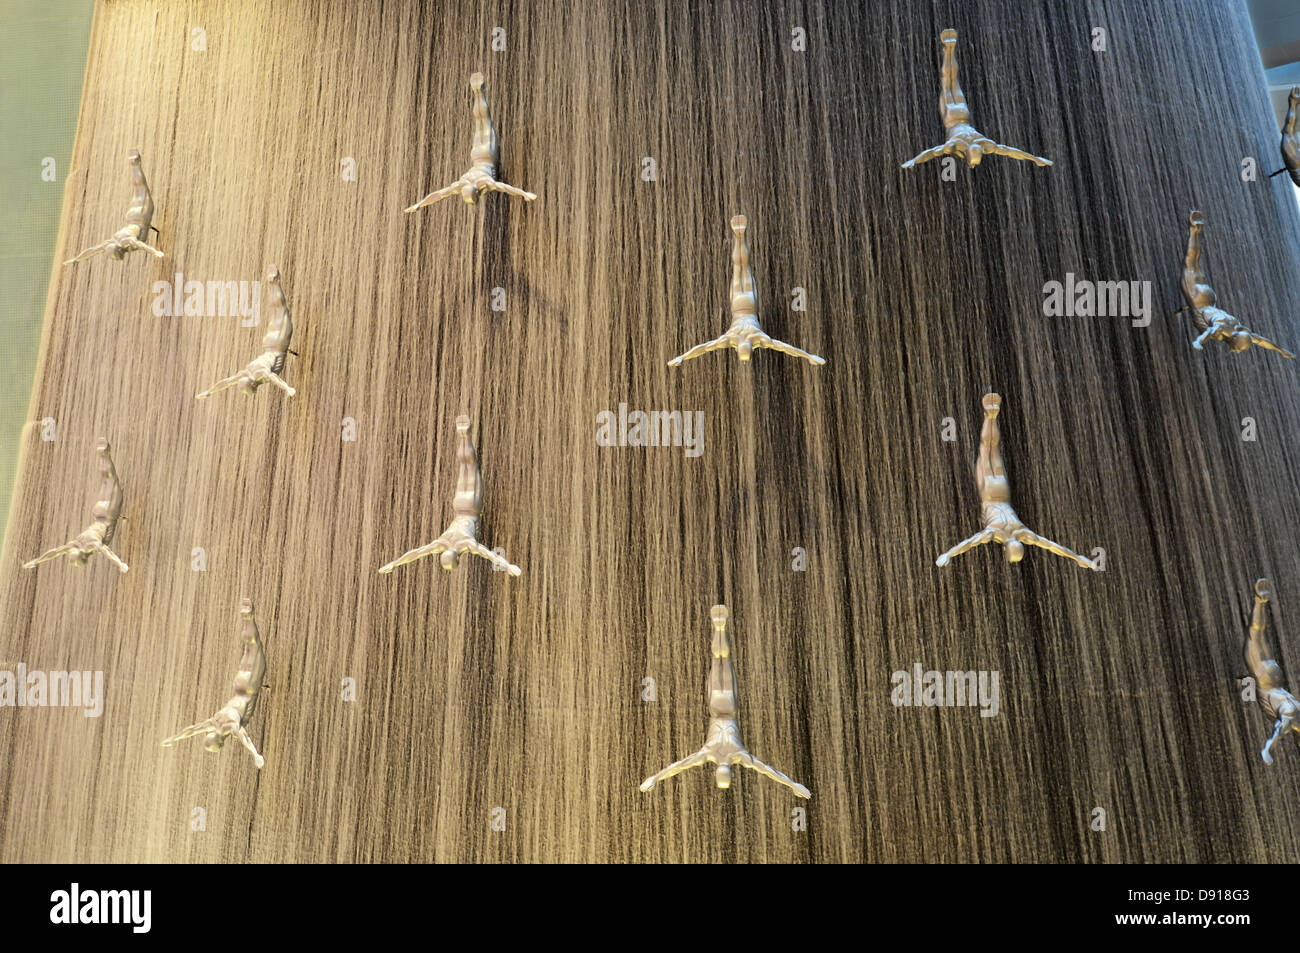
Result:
pixel 739 223
pixel 948 36
pixel 719 616
pixel 476 82
pixel 992 404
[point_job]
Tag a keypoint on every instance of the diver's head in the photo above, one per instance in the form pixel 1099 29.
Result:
pixel 974 154
pixel 133 157
pixel 723 776
pixel 469 193
pixel 246 386
pixel 449 560
pixel 213 741
pixel 745 350
pixel 117 251
pixel 1015 550
pixel 1240 341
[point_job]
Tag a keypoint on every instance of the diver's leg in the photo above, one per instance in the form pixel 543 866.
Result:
pixel 485 137
pixel 952 94
pixel 742 276
pixel 990 459
pixel 469 479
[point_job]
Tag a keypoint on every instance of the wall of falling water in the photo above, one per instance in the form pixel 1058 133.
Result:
pixel 477 691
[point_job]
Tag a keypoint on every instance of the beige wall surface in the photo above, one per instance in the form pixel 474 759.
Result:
pixel 43 52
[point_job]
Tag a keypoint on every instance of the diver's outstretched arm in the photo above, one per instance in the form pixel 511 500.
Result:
pixel 1011 152
pixel 1033 539
pixel 511 190
pixel 979 539
pixel 221 385
pixel 92 250
pixel 926 156
pixel 410 556
pixel 1267 754
pixel 699 349
pixel 1268 345
pixel 677 767
pixel 447 191
pixel 190 732
pixel 136 243
pixel 496 559
pixel 278 381
pixel 46 556
pixel 788 349
pixel 112 557
pixel 749 761
pixel 242 734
